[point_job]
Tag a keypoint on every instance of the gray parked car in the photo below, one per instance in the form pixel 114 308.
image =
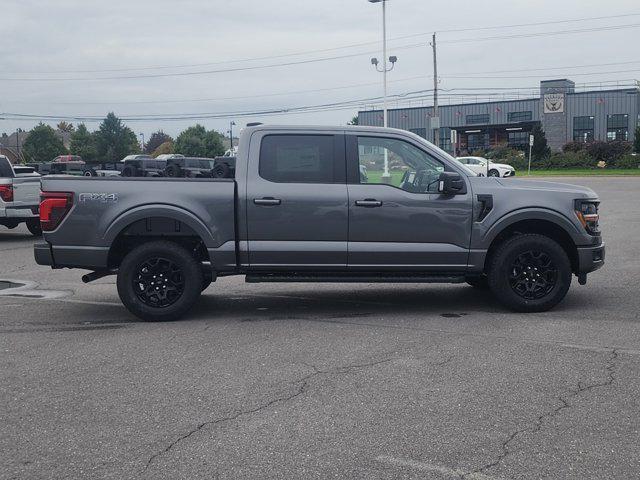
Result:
pixel 300 209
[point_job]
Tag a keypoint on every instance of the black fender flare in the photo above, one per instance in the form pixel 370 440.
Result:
pixel 119 224
pixel 536 213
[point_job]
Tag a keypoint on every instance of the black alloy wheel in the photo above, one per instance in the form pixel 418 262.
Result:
pixel 159 282
pixel 533 275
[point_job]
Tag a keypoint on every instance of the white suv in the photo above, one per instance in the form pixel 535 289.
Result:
pixel 479 166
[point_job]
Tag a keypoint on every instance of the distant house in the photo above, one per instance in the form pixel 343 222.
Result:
pixel 12 145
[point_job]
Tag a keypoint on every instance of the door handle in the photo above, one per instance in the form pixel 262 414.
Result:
pixel 267 201
pixel 368 202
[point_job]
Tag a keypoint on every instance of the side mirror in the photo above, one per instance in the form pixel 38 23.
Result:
pixel 451 183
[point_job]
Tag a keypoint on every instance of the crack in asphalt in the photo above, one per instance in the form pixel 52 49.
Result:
pixel 301 386
pixel 538 423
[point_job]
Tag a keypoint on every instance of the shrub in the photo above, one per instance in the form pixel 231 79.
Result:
pixel 628 161
pixel 568 160
pixel 503 152
pixel 574 147
pixel 608 151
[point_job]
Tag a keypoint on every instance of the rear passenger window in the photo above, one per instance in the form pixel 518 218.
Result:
pixel 300 159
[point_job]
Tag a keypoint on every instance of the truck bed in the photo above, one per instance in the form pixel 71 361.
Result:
pixel 106 208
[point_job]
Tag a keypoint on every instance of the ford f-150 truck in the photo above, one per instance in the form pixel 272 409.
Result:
pixel 300 210
pixel 19 196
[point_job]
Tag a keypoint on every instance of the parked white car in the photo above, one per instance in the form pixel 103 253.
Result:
pixel 479 166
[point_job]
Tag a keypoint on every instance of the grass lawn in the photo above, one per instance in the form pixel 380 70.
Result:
pixel 581 172
pixel 375 176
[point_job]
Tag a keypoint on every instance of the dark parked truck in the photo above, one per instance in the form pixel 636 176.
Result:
pixel 300 210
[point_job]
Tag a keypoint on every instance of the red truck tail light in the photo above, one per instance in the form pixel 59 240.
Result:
pixel 54 206
pixel 6 193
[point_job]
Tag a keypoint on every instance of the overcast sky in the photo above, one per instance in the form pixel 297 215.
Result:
pixel 80 41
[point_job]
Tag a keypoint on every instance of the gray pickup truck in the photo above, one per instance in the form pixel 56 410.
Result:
pixel 312 204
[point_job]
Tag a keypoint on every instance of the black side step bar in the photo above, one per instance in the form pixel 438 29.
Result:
pixel 353 278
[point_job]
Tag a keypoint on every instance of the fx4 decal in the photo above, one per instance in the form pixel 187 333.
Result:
pixel 98 197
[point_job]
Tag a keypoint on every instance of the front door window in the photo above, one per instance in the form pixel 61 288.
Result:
pixel 397 163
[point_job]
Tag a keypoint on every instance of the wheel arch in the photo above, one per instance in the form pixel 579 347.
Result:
pixel 544 222
pixel 152 222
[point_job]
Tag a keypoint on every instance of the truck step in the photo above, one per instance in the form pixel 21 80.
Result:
pixel 354 277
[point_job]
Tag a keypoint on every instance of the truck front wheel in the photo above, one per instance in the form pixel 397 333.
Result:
pixel 159 281
pixel 530 273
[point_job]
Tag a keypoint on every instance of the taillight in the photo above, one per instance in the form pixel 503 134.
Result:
pixel 54 206
pixel 6 193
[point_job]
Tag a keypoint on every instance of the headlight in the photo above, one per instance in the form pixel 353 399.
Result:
pixel 587 213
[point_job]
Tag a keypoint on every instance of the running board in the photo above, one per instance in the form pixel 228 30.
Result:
pixel 364 277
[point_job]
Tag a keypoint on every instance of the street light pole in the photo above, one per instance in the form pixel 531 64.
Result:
pixel 142 135
pixel 384 65
pixel 385 69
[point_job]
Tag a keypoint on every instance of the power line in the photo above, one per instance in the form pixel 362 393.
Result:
pixel 315 60
pixel 418 95
pixel 325 50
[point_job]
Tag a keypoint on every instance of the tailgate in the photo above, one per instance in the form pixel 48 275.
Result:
pixel 26 191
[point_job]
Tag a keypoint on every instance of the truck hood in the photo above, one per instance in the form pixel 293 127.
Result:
pixel 541 186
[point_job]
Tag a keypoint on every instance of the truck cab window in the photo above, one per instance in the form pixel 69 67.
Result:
pixel 408 167
pixel 299 159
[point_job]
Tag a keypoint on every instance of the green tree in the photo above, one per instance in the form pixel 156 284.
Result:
pixel 42 144
pixel 114 140
pixel 197 141
pixel 636 142
pixel 165 148
pixel 157 139
pixel 354 121
pixel 540 147
pixel 83 143
pixel 65 127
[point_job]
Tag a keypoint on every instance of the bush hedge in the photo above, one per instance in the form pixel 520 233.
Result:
pixel 614 154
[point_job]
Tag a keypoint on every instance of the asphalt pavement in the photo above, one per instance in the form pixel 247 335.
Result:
pixel 324 381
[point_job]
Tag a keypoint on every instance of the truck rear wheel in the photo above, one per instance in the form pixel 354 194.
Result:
pixel 530 273
pixel 34 227
pixel 159 281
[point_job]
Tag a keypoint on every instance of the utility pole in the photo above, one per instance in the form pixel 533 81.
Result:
pixel 436 133
pixel 231 136
pixel 17 143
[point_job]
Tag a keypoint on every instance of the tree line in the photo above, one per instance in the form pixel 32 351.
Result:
pixel 113 140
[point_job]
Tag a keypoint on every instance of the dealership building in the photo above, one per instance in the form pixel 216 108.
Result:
pixel 565 115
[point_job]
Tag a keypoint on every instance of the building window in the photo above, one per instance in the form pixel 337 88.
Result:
pixel 520 116
pixel 477 140
pixel 518 139
pixel 482 118
pixel 618 127
pixel 445 139
pixel 583 129
pixel 421 132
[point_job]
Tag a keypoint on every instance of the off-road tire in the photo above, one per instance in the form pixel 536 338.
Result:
pixel 129 171
pixel 221 170
pixel 503 265
pixel 34 227
pixel 190 277
pixel 172 171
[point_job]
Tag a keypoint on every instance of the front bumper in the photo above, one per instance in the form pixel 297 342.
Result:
pixel 509 173
pixel 590 258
